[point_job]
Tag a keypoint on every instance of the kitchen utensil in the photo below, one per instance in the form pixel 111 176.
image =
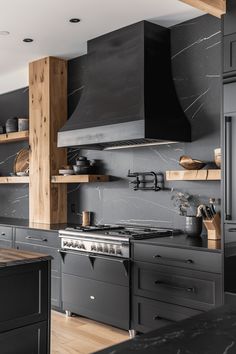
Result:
pixel 66 172
pixel 23 124
pixel 212 205
pixel 21 174
pixel 21 163
pixel 11 125
pixel 81 158
pixel 217 154
pixel 81 170
pixel 191 164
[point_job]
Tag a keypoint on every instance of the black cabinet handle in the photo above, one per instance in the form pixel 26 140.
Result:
pixel 228 168
pixel 36 239
pixel 175 287
pixel 188 261
pixel 232 230
pixel 3 234
pixel 160 318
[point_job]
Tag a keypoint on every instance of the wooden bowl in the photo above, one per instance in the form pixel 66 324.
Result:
pixel 191 164
pixel 217 154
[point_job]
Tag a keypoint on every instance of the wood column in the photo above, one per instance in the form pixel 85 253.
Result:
pixel 48 113
pixel 214 7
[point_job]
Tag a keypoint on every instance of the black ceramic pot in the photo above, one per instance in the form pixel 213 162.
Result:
pixel 193 225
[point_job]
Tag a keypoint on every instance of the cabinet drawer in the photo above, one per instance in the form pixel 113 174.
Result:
pixel 199 290
pixel 230 53
pixel 100 301
pixel 38 237
pixel 6 244
pixel 31 339
pixel 56 261
pixel 5 233
pixel 150 314
pixel 177 257
pixel 107 269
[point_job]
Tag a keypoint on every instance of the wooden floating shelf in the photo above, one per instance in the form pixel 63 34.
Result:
pixel 80 179
pixel 14 179
pixel 11 137
pixel 194 175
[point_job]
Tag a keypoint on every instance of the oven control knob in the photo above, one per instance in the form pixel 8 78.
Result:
pixel 82 246
pixel 105 249
pixel 112 250
pixel 99 248
pixel 76 245
pixel 70 244
pixel 118 251
pixel 93 248
pixel 65 243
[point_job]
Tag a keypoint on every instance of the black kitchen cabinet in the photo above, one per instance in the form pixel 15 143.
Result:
pixel 30 339
pixel 44 242
pixel 229 152
pixel 229 23
pixel 170 284
pixel 6 236
pixel 230 53
pixel 150 314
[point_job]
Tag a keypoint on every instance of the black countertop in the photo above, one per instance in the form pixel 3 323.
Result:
pixel 25 223
pixel 180 241
pixel 184 241
pixel 213 332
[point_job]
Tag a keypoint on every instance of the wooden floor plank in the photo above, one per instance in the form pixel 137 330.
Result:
pixel 78 335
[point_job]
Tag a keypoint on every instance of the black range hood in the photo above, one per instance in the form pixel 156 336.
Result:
pixel 129 97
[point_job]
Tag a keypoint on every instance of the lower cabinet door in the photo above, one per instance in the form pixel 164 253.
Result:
pixel 97 300
pixel 150 314
pixel 31 339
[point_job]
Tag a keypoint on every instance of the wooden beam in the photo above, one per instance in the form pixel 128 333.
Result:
pixel 213 7
pixel 14 179
pixel 48 113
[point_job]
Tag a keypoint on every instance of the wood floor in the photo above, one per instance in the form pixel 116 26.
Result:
pixel 77 335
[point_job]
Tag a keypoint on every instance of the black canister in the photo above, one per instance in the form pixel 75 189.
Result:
pixel 193 225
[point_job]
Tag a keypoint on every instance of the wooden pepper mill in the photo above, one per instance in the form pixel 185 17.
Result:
pixel 85 218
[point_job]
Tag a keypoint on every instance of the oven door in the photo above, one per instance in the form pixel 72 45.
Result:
pixel 97 287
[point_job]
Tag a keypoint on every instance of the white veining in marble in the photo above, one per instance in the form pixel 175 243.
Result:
pixel 197 111
pixel 197 99
pixel 200 40
pixel 75 90
pixel 213 45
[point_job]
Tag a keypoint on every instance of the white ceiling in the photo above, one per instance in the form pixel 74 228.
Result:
pixel 46 21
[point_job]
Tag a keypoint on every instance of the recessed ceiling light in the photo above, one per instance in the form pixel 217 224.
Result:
pixel 4 33
pixel 28 40
pixel 74 20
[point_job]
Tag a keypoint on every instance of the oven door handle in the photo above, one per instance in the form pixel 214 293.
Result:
pixel 92 257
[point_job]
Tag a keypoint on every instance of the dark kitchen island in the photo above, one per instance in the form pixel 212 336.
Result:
pixel 213 332
pixel 24 302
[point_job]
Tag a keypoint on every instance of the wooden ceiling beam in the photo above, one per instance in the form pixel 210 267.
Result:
pixel 214 7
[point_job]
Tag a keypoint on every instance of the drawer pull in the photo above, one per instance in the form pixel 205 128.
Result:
pixel 92 297
pixel 3 234
pixel 176 287
pixel 160 318
pixel 36 239
pixel 188 261
pixel 232 230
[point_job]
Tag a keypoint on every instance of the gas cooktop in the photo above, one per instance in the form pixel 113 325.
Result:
pixel 127 231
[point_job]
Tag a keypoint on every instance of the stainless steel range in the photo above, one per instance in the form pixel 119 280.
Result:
pixel 96 270
pixel 113 240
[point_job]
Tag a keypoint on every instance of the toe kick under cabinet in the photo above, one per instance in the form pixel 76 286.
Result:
pixel 172 284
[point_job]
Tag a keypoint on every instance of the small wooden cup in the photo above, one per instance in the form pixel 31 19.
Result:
pixel 213 227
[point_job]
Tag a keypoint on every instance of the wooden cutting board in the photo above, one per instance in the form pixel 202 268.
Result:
pixel 21 163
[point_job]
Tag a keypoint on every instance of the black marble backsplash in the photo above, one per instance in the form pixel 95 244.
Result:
pixel 196 55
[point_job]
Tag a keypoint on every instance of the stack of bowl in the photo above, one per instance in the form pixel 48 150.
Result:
pixel 82 166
